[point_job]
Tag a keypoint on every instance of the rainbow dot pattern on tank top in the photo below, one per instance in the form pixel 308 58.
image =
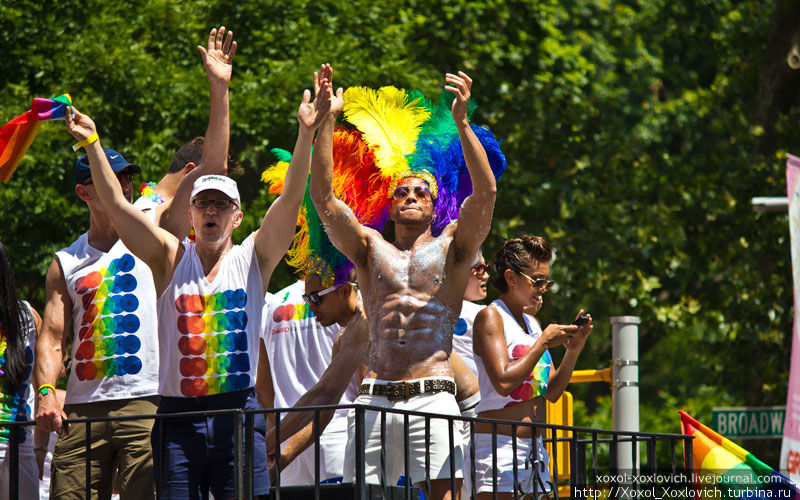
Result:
pixel 213 343
pixel 107 332
pixel 536 383
pixel 14 403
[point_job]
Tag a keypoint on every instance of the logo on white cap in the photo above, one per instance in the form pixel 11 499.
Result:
pixel 219 183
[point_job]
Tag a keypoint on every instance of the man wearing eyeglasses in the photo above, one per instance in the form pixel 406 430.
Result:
pixel 209 309
pixel 108 294
pixel 413 289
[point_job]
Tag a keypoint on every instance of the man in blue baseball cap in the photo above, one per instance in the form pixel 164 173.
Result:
pixel 83 174
pixel 108 295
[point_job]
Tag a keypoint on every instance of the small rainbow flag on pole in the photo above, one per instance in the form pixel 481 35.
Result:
pixel 718 462
pixel 17 135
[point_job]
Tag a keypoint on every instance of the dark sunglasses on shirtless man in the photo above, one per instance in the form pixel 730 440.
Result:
pixel 420 192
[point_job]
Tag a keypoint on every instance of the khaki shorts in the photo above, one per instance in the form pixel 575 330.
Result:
pixel 440 453
pixel 124 444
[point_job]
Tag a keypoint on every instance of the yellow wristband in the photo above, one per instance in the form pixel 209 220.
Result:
pixel 92 138
pixel 47 388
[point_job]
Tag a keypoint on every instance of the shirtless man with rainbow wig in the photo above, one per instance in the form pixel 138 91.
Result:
pixel 413 289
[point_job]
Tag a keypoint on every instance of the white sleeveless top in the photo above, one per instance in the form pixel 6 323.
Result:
pixel 115 342
pixel 209 331
pixel 16 403
pixel 462 337
pixel 517 343
pixel 299 349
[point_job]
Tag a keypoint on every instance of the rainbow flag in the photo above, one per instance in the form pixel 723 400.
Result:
pixel 718 462
pixel 17 135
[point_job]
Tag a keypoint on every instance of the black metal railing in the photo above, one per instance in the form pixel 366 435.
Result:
pixel 596 468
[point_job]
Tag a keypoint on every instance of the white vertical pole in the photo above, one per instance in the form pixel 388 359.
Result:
pixel 625 388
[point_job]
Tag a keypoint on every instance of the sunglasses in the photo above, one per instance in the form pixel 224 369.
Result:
pixel 539 282
pixel 220 204
pixel 315 298
pixel 479 269
pixel 421 192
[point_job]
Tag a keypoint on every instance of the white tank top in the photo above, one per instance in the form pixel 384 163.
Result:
pixel 462 337
pixel 208 332
pixel 299 349
pixel 517 344
pixel 115 342
pixel 16 404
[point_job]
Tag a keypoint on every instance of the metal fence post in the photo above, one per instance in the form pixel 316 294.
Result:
pixel 13 471
pixel 625 388
pixel 238 454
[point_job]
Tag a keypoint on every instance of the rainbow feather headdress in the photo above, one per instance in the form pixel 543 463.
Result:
pixel 398 134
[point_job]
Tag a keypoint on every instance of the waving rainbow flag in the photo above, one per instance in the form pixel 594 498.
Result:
pixel 17 135
pixel 718 461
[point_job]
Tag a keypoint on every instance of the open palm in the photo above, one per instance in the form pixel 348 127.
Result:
pixel 218 56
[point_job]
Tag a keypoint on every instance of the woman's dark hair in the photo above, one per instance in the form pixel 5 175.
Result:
pixel 517 254
pixel 13 318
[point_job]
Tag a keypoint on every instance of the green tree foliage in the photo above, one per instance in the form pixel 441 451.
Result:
pixel 636 133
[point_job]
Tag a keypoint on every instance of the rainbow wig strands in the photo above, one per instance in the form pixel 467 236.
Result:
pixel 398 134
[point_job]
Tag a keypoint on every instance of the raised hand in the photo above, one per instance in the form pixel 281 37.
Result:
pixel 310 114
pixel 218 56
pixel 79 125
pixel 460 85
pixel 335 102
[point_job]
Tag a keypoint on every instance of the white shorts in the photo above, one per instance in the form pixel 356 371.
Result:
pixel 28 471
pixel 331 459
pixel 439 452
pixel 505 465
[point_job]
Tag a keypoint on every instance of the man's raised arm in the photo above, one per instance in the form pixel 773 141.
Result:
pixel 277 229
pixel 478 207
pixel 156 247
pixel 344 230
pixel 218 62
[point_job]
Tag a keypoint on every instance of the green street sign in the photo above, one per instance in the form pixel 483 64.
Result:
pixel 749 422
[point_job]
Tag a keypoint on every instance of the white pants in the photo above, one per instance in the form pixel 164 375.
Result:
pixel 439 452
pixel 505 465
pixel 331 458
pixel 28 472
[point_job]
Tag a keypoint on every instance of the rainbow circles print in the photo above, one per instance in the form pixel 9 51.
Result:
pixel 213 343
pixel 109 367
pixel 107 341
pixel 13 402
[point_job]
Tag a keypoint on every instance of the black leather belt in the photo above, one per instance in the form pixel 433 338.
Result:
pixel 404 390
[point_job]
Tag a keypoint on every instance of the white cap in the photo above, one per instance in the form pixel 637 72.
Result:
pixel 220 183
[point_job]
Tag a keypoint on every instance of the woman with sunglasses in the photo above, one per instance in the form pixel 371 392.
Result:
pixel 18 325
pixel 468 394
pixel 515 371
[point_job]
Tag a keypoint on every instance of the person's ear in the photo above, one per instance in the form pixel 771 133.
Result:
pixel 237 219
pixel 510 277
pixel 83 192
pixel 188 168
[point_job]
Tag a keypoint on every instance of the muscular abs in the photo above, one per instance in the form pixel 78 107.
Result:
pixel 411 308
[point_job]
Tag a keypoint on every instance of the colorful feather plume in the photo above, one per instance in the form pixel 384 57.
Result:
pixel 273 176
pixel 390 120
pixel 397 134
